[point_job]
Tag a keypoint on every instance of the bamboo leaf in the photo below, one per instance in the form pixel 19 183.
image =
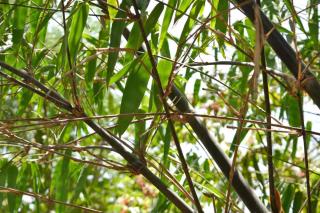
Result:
pixel 123 71
pixel 287 197
pixel 222 19
pixel 134 91
pixel 91 68
pixel 297 202
pixel 183 7
pixel 78 24
pixel 19 21
pixel 115 39
pixel 11 182
pixel 166 22
pixel 290 7
pixel 164 67
pixel 61 181
pixel 135 40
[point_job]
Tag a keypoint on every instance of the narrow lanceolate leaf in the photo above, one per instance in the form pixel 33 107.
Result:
pixel 222 19
pixel 190 21
pixel 135 40
pixel 61 181
pixel 164 67
pixel 183 7
pixel 290 7
pixel 26 96
pixel 314 23
pixel 166 22
pixel 287 197
pixel 11 182
pixel 297 202
pixel 91 68
pixel 19 21
pixel 78 24
pixel 196 90
pixel 115 39
pixel 133 93
pixel 116 77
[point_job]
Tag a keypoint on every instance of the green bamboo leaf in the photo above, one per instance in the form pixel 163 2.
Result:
pixel 290 7
pixel 81 182
pixel 292 110
pixel 235 141
pixel 36 177
pixel 222 19
pixel 22 181
pixel 313 24
pixel 183 7
pixel 112 11
pixel 308 128
pixel 166 22
pixel 115 39
pixel 123 71
pixel 195 11
pixel 12 183
pixel 3 175
pixel 61 181
pixel 164 68
pixel 196 90
pixel 287 197
pixel 135 40
pixel 166 147
pixel 26 96
pixel 134 90
pixel 78 24
pixel 162 205
pixel 140 134
pixel 19 21
pixel 298 201
pixel 90 68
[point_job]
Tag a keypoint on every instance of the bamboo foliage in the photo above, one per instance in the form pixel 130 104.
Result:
pixel 180 103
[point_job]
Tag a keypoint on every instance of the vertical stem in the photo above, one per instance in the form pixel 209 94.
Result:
pixel 268 133
pixel 305 149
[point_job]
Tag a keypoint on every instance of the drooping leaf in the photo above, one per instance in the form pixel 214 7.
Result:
pixel 78 24
pixel 183 7
pixel 61 181
pixel 290 7
pixel 164 68
pixel 135 40
pixel 12 183
pixel 91 68
pixel 196 89
pixel 222 19
pixel 115 39
pixel 287 197
pixel 297 202
pixel 166 22
pixel 19 21
pixel 133 93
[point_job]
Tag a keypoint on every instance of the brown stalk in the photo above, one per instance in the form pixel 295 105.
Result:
pixel 272 189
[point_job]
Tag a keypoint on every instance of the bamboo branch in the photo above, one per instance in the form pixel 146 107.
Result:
pixel 133 161
pixel 285 52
